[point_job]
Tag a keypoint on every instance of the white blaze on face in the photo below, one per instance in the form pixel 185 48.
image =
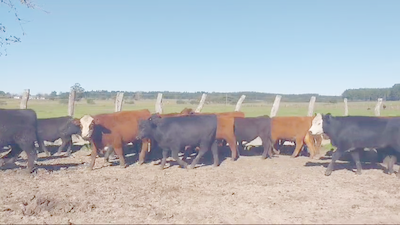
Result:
pixel 316 127
pixel 86 128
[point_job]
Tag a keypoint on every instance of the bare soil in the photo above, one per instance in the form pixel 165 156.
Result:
pixel 249 190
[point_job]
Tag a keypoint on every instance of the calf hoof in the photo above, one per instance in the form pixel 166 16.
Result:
pixel 140 163
pixel 123 166
pixel 89 168
pixel 328 173
pixel 190 167
pixel 358 172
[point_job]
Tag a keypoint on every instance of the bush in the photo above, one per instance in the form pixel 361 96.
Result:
pixel 3 102
pixel 193 102
pixel 63 101
pixel 90 101
pixel 129 102
pixel 180 102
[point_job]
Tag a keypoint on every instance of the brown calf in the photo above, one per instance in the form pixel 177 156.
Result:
pixel 113 130
pixel 294 128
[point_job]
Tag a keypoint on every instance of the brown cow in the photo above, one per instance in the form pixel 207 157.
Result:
pixel 294 128
pixel 225 129
pixel 113 130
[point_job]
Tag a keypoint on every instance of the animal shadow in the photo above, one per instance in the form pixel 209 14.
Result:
pixel 54 148
pixel 368 159
pixel 53 167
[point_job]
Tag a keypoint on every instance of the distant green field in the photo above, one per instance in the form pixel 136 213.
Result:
pixel 47 108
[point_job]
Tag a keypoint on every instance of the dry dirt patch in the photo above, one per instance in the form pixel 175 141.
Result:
pixel 250 190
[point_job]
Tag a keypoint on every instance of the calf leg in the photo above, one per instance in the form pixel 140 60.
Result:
pixel 299 144
pixel 356 157
pixel 214 149
pixel 336 155
pixel 11 156
pixel 267 149
pixel 232 145
pixel 65 141
pixel 199 155
pixel 318 142
pixel 69 148
pixel 164 158
pixel 309 140
pixel 175 155
pixel 43 147
pixel 93 155
pixel 390 160
pixel 32 156
pixel 145 148
pixel 29 149
pixel 120 153
pixel 109 151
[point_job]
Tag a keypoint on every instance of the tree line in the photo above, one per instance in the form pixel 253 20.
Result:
pixel 372 94
pixel 361 94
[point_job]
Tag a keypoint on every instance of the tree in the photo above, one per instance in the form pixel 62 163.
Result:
pixel 79 91
pixel 5 37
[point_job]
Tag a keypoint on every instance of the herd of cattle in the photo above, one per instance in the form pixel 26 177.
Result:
pixel 176 132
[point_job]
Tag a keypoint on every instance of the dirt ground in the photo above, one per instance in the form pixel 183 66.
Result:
pixel 249 190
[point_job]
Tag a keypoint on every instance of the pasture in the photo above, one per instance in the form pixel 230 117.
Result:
pixel 47 108
pixel 249 190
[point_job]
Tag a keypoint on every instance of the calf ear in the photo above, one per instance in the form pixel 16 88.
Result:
pixel 327 117
pixel 76 122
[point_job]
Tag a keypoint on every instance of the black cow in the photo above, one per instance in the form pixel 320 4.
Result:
pixel 51 129
pixel 18 129
pixel 174 133
pixel 352 133
pixel 249 128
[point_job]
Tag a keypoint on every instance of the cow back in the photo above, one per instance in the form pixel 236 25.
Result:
pixel 123 125
pixel 290 127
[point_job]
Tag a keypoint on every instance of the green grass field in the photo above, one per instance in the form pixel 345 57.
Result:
pixel 47 108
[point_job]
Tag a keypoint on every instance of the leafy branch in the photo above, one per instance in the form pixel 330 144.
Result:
pixel 6 39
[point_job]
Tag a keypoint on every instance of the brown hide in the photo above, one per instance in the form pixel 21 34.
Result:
pixel 120 129
pixel 294 128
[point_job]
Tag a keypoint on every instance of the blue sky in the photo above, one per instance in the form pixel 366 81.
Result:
pixel 269 46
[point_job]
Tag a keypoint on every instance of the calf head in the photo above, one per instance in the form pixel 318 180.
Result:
pixel 146 127
pixel 72 127
pixel 87 125
pixel 320 123
pixel 317 125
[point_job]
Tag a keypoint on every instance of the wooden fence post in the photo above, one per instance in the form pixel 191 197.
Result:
pixel 275 106
pixel 201 103
pixel 118 101
pixel 71 102
pixel 346 107
pixel 24 99
pixel 159 108
pixel 239 103
pixel 311 106
pixel 378 107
